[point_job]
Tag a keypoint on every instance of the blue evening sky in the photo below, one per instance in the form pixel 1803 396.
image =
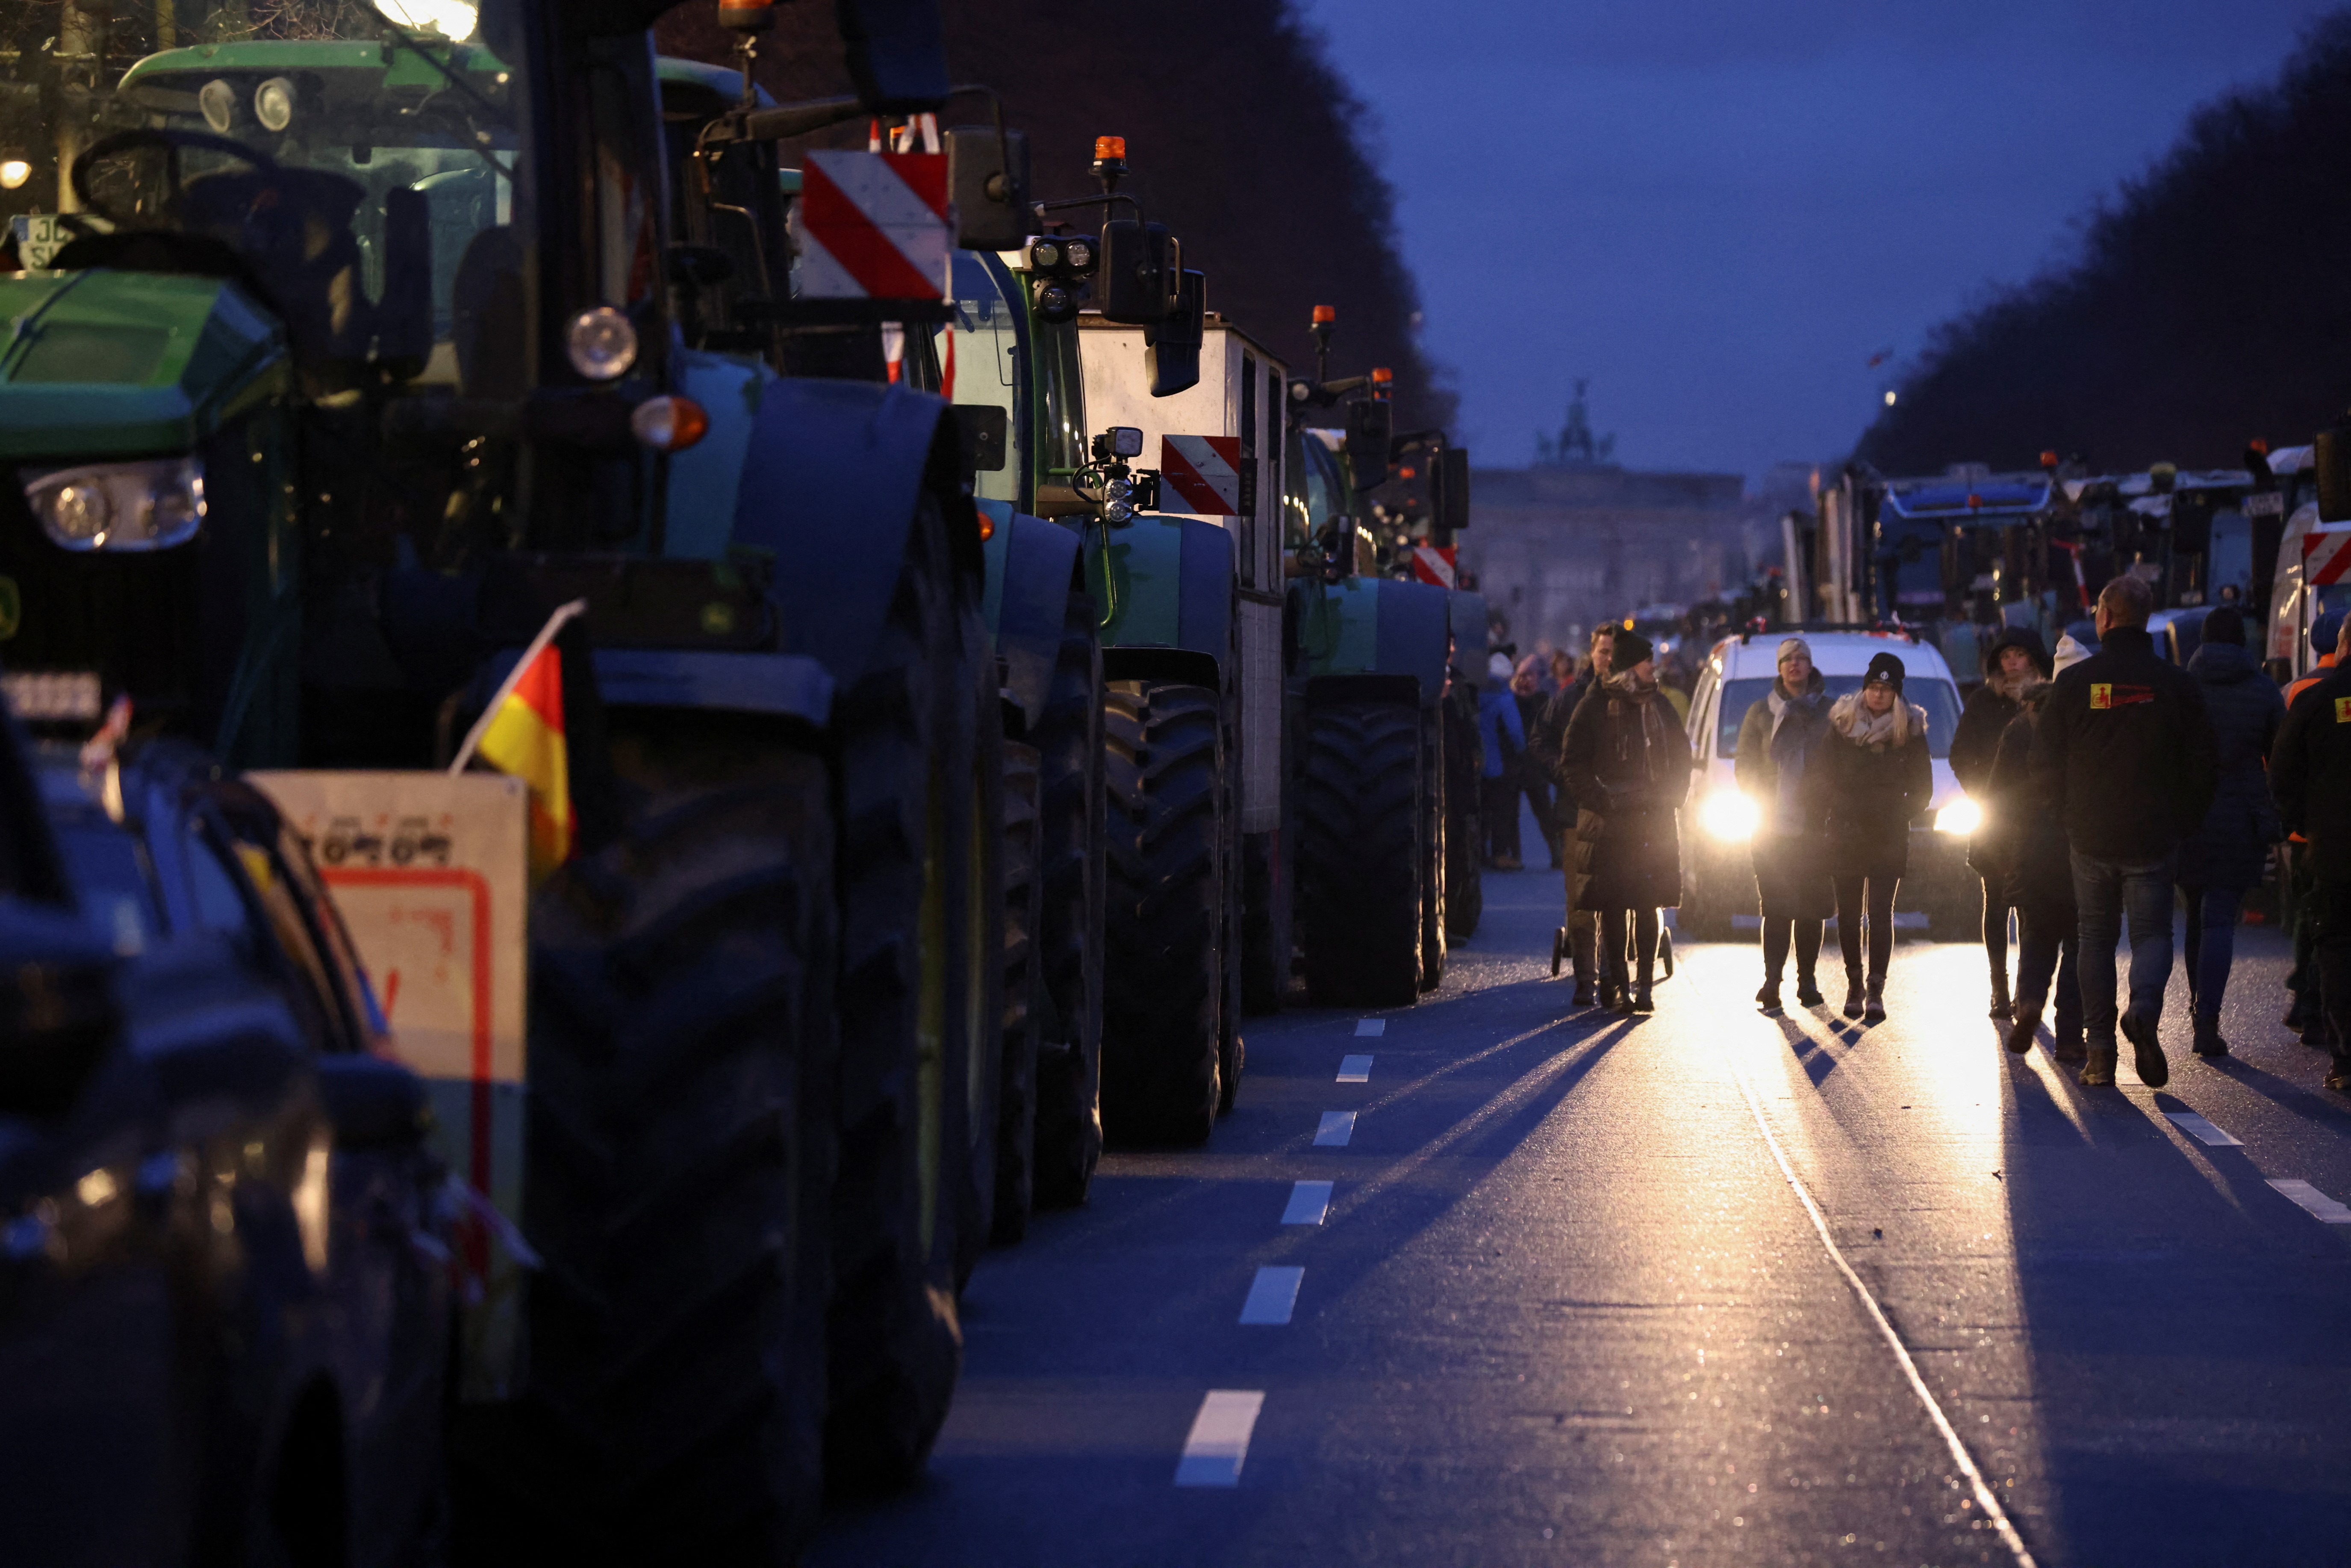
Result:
pixel 1719 210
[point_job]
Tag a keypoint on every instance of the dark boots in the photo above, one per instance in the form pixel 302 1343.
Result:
pixel 1584 945
pixel 2020 1032
pixel 2207 1037
pixel 2001 1006
pixel 1873 1010
pixel 1854 994
pixel 1808 987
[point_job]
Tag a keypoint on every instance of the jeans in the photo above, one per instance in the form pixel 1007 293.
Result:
pixel 2332 961
pixel 1499 808
pixel 2211 944
pixel 2107 894
pixel 2048 947
pixel 1876 896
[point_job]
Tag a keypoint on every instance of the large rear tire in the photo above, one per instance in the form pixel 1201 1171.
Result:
pixel 1359 854
pixel 1432 852
pixel 1167 919
pixel 682 1152
pixel 1069 737
pixel 1465 824
pixel 975 1064
pixel 1016 1124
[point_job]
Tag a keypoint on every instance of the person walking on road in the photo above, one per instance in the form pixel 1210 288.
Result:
pixel 2124 758
pixel 1627 764
pixel 1503 742
pixel 2302 888
pixel 2014 659
pixel 2226 855
pixel 1527 692
pixel 1871 778
pixel 2310 774
pixel 1778 739
pixel 1546 744
pixel 2032 866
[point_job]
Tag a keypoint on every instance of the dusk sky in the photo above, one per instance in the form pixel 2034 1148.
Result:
pixel 1718 210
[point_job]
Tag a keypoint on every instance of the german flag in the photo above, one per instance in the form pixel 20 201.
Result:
pixel 521 733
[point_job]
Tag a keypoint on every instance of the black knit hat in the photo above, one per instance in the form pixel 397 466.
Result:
pixel 1630 649
pixel 2225 624
pixel 1887 668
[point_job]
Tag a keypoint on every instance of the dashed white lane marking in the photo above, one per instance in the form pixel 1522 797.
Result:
pixel 1220 1438
pixel 1309 1202
pixel 1371 1025
pixel 1272 1296
pixel 2321 1207
pixel 1337 1127
pixel 2204 1132
pixel 1354 1070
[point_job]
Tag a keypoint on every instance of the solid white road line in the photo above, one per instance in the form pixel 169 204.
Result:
pixel 2204 1132
pixel 1337 1127
pixel 1987 1500
pixel 1220 1438
pixel 1309 1202
pixel 1272 1295
pixel 1354 1070
pixel 2321 1207
pixel 1371 1025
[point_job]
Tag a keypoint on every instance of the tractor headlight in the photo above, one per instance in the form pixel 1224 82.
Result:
pixel 1961 816
pixel 601 343
pixel 120 506
pixel 1727 814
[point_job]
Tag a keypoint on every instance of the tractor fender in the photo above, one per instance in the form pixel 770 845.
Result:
pixel 1163 583
pixel 1472 636
pixel 835 472
pixel 1373 625
pixel 1032 568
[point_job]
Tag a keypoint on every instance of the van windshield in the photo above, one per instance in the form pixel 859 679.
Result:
pixel 1939 697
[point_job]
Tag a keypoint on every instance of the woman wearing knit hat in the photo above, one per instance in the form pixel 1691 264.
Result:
pixel 1779 739
pixel 2014 661
pixel 1871 778
pixel 1627 764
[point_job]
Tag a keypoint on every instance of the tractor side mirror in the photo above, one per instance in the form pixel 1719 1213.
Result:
pixel 1371 426
pixel 1173 355
pixel 1139 281
pixel 897 54
pixel 1448 490
pixel 1119 441
pixel 2332 460
pixel 991 199
pixel 985 428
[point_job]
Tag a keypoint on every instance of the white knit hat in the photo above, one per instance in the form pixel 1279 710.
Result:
pixel 2069 654
pixel 1794 645
pixel 1498 667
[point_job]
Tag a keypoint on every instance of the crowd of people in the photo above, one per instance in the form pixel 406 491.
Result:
pixel 2112 783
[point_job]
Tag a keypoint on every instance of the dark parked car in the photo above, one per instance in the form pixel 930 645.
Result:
pixel 225 1287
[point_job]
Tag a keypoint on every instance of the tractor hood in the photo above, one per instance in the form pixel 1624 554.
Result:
pixel 102 364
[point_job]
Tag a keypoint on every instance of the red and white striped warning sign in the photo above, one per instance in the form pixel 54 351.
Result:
pixel 2327 554
pixel 874 225
pixel 1205 472
pixel 1433 563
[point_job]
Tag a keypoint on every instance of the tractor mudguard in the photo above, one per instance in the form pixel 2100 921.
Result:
pixel 1031 567
pixel 1164 583
pixel 1373 625
pixel 706 480
pixel 828 491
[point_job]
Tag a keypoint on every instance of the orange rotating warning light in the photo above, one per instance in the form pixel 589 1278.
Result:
pixel 1108 147
pixel 1325 314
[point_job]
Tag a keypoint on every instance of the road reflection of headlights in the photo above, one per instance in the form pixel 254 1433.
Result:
pixel 1727 814
pixel 1961 816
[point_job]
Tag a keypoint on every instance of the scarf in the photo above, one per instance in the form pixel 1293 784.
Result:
pixel 1648 730
pixel 1788 762
pixel 1876 731
pixel 2013 687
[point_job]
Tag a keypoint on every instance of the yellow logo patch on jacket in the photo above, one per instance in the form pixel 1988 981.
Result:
pixel 2343 710
pixel 2101 695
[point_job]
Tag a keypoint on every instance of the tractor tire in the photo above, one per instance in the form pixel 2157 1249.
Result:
pixel 1359 854
pixel 1432 853
pixel 1166 916
pixel 1466 827
pixel 975 1043
pixel 894 1342
pixel 681 1149
pixel 1230 1048
pixel 1015 1123
pixel 1069 740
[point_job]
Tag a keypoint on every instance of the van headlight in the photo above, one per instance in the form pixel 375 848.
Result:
pixel 1961 816
pixel 1727 814
pixel 152 504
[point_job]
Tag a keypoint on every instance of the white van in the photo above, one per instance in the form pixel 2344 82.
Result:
pixel 1719 879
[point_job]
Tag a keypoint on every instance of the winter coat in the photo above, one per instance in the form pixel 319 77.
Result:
pixel 2124 756
pixel 1500 732
pixel 1990 707
pixel 2310 772
pixel 1865 796
pixel 1775 754
pixel 1549 736
pixel 2232 849
pixel 2025 844
pixel 1627 763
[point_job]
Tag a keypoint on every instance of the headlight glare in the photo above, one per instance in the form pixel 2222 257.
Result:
pixel 601 343
pixel 1960 815
pixel 1727 814
pixel 144 505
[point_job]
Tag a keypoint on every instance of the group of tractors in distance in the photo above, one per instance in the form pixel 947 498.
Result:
pixel 976 696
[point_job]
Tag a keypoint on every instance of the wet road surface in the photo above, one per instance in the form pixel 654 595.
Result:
pixel 1710 1287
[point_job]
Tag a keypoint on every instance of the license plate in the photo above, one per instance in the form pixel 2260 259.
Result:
pixel 2268 504
pixel 52 696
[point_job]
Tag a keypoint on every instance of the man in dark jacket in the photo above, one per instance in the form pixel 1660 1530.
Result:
pixel 2014 659
pixel 2230 851
pixel 2026 848
pixel 1627 760
pixel 1543 745
pixel 2310 773
pixel 1778 738
pixel 2125 760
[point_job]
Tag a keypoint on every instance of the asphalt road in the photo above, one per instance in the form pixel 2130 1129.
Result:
pixel 1708 1287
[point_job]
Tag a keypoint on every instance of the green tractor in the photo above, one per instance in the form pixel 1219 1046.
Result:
pixel 1375 708
pixel 352 341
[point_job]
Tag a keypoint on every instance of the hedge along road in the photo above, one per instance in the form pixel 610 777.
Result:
pixel 1708 1286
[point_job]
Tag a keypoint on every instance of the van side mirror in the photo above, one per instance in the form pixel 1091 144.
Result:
pixel 1139 280
pixel 985 429
pixel 1172 355
pixel 1371 426
pixel 991 201
pixel 897 54
pixel 1448 490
